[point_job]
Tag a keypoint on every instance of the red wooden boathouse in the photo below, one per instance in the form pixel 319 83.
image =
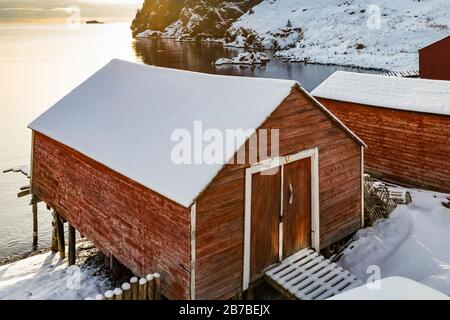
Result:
pixel 434 60
pixel 405 123
pixel 102 160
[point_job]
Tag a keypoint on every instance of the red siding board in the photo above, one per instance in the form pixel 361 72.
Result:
pixel 149 233
pixel 406 147
pixel 434 61
pixel 143 230
pixel 220 228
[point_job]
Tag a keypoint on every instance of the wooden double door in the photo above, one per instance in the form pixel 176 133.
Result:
pixel 280 214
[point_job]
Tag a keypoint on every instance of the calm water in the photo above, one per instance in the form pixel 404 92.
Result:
pixel 39 64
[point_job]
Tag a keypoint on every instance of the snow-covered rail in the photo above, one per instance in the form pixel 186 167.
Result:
pixel 307 275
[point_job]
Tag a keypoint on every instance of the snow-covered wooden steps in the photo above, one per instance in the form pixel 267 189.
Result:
pixel 403 74
pixel 307 275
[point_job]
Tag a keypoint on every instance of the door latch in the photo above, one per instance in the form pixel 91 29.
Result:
pixel 291 193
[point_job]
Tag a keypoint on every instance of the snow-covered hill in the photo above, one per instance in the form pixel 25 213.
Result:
pixel 384 34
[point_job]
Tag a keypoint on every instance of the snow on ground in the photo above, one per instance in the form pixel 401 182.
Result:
pixel 46 277
pixel 248 58
pixel 389 33
pixel 414 242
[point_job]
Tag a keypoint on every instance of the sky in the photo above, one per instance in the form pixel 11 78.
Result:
pixel 57 10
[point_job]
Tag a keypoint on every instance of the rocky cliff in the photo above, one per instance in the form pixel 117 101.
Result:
pixel 190 18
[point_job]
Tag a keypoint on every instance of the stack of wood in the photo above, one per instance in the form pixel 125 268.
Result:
pixel 148 288
pixel 378 203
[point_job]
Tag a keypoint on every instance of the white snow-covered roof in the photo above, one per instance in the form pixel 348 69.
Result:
pixel 420 95
pixel 124 115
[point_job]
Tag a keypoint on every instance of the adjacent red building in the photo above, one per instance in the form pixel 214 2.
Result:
pixel 405 123
pixel 434 60
pixel 103 158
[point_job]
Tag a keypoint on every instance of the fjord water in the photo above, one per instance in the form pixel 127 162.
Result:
pixel 39 64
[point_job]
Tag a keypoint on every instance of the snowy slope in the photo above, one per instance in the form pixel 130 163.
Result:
pixel 413 243
pixel 388 32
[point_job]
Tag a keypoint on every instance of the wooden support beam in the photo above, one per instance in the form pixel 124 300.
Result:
pixel 35 223
pixel 60 235
pixel 72 247
pixel 54 244
pixel 23 193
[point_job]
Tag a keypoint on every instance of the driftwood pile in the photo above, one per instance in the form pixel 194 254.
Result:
pixel 378 202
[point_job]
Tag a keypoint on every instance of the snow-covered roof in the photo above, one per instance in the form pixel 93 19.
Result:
pixel 420 95
pixel 124 115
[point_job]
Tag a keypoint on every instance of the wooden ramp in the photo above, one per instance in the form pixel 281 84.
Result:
pixel 307 275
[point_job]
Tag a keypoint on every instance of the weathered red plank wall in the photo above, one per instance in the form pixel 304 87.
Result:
pixel 434 60
pixel 143 230
pixel 409 148
pixel 220 209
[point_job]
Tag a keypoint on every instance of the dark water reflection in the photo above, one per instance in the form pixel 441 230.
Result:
pixel 200 57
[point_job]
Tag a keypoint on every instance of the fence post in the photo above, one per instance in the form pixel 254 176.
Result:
pixel 126 289
pixel 109 295
pixel 150 287
pixel 99 297
pixel 157 278
pixel 134 288
pixel 118 294
pixel 142 295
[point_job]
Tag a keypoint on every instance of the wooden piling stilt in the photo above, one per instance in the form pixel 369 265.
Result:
pixel 60 234
pixel 150 287
pixel 99 297
pixel 54 244
pixel 72 247
pixel 157 281
pixel 35 222
pixel 134 288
